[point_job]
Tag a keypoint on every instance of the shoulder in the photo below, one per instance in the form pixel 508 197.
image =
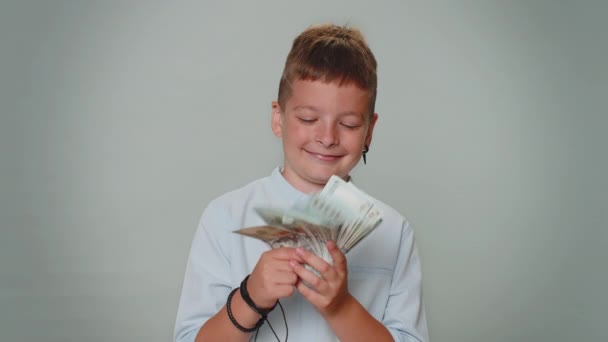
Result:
pixel 233 207
pixel 390 216
pixel 382 248
pixel 239 195
pixel 393 228
pixel 388 210
pixel 394 232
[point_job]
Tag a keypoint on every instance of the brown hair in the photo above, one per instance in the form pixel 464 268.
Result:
pixel 330 53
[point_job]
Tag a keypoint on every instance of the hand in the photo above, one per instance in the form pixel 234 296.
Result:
pixel 331 289
pixel 272 277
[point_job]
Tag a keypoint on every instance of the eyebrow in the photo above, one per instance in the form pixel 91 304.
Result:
pixel 310 108
pixel 316 110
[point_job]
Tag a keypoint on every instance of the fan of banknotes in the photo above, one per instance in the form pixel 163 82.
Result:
pixel 340 212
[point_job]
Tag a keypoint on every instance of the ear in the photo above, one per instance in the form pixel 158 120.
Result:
pixel 276 120
pixel 370 129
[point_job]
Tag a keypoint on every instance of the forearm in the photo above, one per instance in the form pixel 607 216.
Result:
pixel 220 328
pixel 353 323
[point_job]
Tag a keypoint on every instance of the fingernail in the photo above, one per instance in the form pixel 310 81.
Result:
pixel 292 263
pixel 299 250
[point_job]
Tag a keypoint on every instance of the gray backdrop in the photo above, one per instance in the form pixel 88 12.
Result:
pixel 121 120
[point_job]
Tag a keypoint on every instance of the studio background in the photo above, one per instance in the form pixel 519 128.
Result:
pixel 121 120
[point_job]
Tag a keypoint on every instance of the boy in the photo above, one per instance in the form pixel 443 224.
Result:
pixel 325 118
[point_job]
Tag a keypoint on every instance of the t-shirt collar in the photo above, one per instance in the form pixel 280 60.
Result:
pixel 284 186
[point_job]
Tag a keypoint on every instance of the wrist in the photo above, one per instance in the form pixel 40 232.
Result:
pixel 340 307
pixel 260 307
pixel 246 328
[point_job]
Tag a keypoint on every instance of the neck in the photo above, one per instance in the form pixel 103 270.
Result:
pixel 305 186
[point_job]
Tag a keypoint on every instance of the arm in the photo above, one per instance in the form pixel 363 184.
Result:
pixel 349 320
pixel 270 280
pixel 220 328
pixel 208 281
pixel 404 315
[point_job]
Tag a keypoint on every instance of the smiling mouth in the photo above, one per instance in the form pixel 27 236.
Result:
pixel 324 157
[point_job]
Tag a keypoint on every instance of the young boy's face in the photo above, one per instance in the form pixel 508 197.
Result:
pixel 324 128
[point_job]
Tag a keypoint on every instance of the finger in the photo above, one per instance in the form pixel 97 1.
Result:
pixel 264 288
pixel 267 264
pixel 285 278
pixel 281 273
pixel 283 253
pixel 278 266
pixel 316 282
pixel 337 256
pixel 311 295
pixel 315 262
pixel 284 291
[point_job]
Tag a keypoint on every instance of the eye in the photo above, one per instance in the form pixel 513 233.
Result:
pixel 307 120
pixel 350 125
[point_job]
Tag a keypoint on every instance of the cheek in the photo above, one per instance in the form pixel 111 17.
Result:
pixel 298 133
pixel 293 138
pixel 353 141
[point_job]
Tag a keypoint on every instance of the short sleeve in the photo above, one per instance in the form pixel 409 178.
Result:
pixel 207 279
pixel 404 315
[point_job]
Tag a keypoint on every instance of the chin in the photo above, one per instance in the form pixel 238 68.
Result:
pixel 323 177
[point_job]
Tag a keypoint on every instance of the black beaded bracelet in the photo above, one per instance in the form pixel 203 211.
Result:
pixel 233 320
pixel 249 301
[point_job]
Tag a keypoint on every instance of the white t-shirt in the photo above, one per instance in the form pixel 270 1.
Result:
pixel 384 272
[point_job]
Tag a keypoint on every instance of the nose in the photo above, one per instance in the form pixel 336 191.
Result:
pixel 327 135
